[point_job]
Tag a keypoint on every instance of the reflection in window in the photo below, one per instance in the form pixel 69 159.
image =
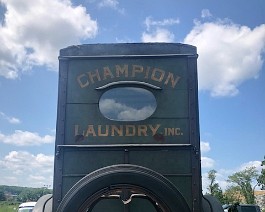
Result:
pixel 127 104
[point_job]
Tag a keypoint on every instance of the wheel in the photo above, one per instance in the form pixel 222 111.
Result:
pixel 123 181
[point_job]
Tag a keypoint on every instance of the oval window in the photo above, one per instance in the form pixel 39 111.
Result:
pixel 127 104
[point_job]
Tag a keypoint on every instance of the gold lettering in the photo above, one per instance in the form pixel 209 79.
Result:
pixel 100 130
pixel 165 132
pixel 142 130
pixel 129 130
pixel 178 131
pixel 154 129
pixel 82 82
pixel 77 130
pixel 171 77
pixel 107 73
pixel 122 70
pixel 137 69
pixel 119 131
pixel 171 131
pixel 159 72
pixel 90 130
pixel 92 75
pixel 147 72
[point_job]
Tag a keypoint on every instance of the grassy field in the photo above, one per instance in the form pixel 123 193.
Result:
pixel 8 206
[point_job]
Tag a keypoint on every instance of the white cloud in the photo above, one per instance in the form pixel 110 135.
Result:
pixel 134 114
pixel 149 22
pixel 114 4
pixel 35 30
pixel 206 13
pixel 159 35
pixel 117 111
pixel 26 138
pixel 205 147
pixel 156 30
pixel 207 162
pixel 24 168
pixel 108 3
pixel 229 54
pixel 11 120
pixel 256 164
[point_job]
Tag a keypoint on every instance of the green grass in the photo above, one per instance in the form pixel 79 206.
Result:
pixel 8 206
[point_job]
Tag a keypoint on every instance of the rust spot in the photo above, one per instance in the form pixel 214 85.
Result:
pixel 159 137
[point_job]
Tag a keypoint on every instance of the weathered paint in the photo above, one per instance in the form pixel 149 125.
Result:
pixel 167 141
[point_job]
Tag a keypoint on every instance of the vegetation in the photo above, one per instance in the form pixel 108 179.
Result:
pixel 261 178
pixel 12 196
pixel 21 194
pixel 241 189
pixel 9 206
pixel 214 188
pixel 243 182
pixel 242 186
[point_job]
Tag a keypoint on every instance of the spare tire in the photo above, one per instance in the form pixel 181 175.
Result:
pixel 86 192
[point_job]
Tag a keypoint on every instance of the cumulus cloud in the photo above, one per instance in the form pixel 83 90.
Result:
pixel 205 147
pixel 113 4
pixel 156 31
pixel 33 31
pixel 26 138
pixel 207 162
pixel 24 168
pixel 11 120
pixel 256 164
pixel 134 114
pixel 229 54
pixel 149 22
pixel 159 35
pixel 118 111
pixel 206 13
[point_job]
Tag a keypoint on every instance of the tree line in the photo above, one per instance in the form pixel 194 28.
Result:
pixel 241 188
pixel 22 194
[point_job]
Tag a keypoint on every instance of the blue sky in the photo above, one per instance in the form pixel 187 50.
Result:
pixel 229 35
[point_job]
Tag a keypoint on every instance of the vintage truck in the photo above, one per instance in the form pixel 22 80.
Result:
pixel 127 135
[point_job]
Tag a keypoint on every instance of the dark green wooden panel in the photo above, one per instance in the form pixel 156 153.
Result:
pixel 84 76
pixel 85 122
pixel 84 162
pixel 86 68
pixel 68 182
pixel 172 104
pixel 184 185
pixel 163 161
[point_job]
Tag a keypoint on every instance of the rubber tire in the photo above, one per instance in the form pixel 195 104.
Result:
pixel 123 174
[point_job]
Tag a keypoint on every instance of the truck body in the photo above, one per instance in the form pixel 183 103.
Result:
pixel 127 135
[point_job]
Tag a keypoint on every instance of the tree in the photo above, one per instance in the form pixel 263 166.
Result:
pixel 214 188
pixel 232 195
pixel 32 194
pixel 261 178
pixel 243 180
pixel 2 196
